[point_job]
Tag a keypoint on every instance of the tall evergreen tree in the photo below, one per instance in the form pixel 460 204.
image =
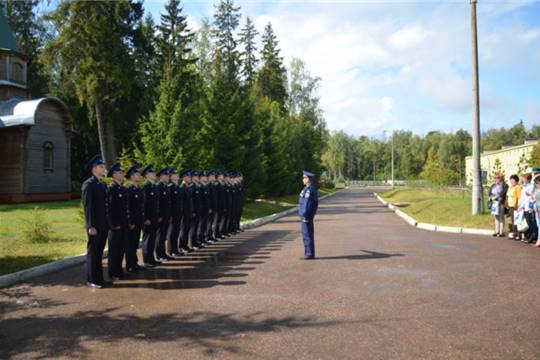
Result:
pixel 248 56
pixel 174 39
pixel 272 77
pixel 92 51
pixel 225 106
pixel 226 21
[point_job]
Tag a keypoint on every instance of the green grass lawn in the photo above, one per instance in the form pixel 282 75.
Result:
pixel 68 237
pixel 448 208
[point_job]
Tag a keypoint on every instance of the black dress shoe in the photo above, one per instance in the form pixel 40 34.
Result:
pixel 308 258
pixel 149 265
pixel 131 270
pixel 140 268
pixel 94 286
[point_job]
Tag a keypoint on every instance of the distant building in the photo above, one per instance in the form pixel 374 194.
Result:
pixel 508 156
pixel 34 133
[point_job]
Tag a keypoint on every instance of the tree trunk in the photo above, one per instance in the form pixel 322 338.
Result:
pixel 101 132
pixel 111 142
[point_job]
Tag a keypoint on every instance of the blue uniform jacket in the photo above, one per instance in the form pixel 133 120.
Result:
pixel 118 206
pixel 94 198
pixel 309 202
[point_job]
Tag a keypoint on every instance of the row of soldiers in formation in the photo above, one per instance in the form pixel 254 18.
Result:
pixel 175 213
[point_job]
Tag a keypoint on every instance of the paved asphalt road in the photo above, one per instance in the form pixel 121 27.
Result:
pixel 379 289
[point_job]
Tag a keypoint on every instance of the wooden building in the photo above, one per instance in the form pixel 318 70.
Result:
pixel 34 134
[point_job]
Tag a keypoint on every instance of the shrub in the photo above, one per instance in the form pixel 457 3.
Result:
pixel 36 228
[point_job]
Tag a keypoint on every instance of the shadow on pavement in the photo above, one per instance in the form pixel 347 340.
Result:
pixel 65 335
pixel 206 268
pixel 367 256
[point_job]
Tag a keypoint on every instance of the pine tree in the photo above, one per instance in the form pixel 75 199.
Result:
pixel 272 77
pixel 92 53
pixel 226 21
pixel 158 143
pixel 248 56
pixel 223 129
pixel 496 169
pixel 174 39
pixel 523 164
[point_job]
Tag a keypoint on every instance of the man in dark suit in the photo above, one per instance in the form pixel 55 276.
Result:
pixel 136 218
pixel 151 216
pixel 94 199
pixel 118 221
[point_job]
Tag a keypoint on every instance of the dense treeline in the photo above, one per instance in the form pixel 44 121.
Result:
pixel 437 157
pixel 160 92
pixel 165 94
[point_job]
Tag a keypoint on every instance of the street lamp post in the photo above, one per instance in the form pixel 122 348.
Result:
pixel 477 190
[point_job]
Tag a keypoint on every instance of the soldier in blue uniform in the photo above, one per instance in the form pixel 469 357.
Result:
pixel 188 211
pixel 118 221
pixel 239 200
pixel 205 209
pixel 234 204
pixel 94 199
pixel 164 214
pixel 307 209
pixel 177 200
pixel 194 226
pixel 222 205
pixel 151 216
pixel 214 198
pixel 136 218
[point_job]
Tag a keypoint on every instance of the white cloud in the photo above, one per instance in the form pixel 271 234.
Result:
pixel 375 59
pixel 408 37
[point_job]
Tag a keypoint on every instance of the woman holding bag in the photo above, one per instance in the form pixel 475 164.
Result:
pixel 497 198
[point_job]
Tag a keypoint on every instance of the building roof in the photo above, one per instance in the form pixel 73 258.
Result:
pixel 528 143
pixel 7 41
pixel 19 112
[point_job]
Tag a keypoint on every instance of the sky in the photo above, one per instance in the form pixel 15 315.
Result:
pixel 389 65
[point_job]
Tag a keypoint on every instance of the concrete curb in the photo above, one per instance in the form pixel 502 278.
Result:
pixel 432 227
pixel 10 279
pixel 54 266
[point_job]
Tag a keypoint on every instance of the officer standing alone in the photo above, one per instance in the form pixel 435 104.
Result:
pixel 94 199
pixel 307 208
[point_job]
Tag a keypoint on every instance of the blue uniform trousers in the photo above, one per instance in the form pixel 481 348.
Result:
pixel 308 233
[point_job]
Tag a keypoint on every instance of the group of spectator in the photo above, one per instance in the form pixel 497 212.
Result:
pixel 519 201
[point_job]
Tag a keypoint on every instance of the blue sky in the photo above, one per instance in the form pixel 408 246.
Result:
pixel 404 64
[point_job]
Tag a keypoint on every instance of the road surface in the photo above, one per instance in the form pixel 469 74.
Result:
pixel 379 289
